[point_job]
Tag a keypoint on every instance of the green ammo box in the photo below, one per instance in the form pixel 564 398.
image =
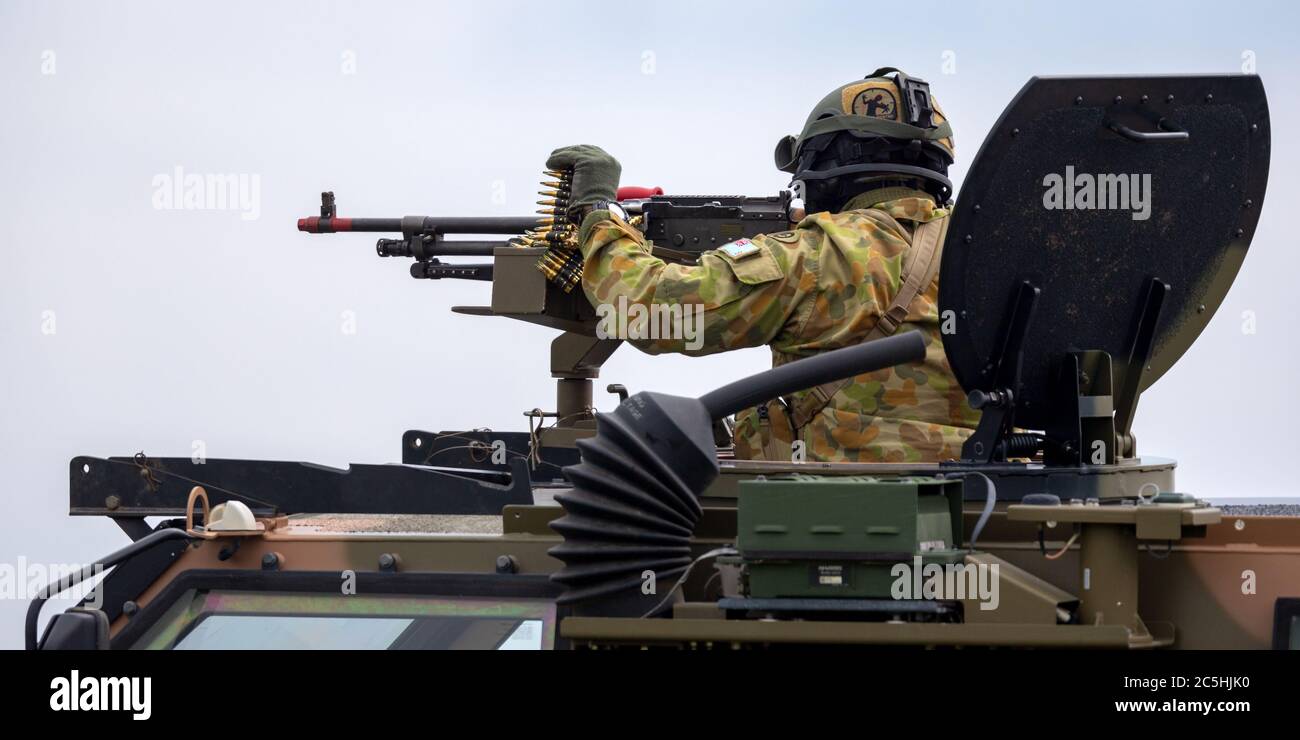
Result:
pixel 840 536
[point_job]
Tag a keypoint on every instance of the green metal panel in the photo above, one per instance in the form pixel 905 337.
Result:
pixel 830 578
pixel 863 515
pixel 840 536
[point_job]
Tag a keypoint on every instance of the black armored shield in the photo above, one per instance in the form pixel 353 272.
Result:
pixel 1090 189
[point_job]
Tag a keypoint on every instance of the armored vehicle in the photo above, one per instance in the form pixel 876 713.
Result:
pixel 1067 297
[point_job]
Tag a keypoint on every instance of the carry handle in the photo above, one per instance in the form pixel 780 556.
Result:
pixel 1167 132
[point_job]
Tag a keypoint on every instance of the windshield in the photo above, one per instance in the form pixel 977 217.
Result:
pixel 233 620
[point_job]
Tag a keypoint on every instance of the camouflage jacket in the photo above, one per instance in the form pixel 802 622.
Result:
pixel 819 287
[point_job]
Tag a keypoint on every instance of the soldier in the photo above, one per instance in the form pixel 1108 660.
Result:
pixel 871 165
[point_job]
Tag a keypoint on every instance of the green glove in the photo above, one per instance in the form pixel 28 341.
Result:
pixel 595 174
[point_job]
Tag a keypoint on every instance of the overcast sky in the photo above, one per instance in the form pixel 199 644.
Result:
pixel 128 325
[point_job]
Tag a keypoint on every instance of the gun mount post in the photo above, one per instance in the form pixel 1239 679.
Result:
pixel 575 363
pixel 1110 539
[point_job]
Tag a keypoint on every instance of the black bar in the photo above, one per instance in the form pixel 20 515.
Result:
pixel 1144 336
pixel 428 224
pixel 1002 685
pixel 437 270
pixel 473 449
pixel 813 371
pixel 436 248
pixel 1002 377
pixel 479 224
pixel 121 486
pixel 135 526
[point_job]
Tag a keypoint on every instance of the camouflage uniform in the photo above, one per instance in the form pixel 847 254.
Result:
pixel 820 287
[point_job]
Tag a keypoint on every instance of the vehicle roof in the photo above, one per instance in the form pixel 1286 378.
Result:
pixel 393 524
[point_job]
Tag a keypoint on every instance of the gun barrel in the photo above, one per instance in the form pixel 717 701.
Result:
pixel 420 224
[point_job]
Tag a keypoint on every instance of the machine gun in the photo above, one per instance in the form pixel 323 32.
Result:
pixel 679 228
pixel 534 273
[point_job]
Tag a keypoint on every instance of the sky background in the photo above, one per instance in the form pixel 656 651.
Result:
pixel 127 327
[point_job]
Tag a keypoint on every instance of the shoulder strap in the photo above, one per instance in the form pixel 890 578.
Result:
pixel 919 268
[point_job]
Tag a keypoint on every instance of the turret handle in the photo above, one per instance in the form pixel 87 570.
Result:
pixel 813 371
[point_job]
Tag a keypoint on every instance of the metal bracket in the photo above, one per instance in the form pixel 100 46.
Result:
pixel 140 486
pixel 1144 334
pixel 997 419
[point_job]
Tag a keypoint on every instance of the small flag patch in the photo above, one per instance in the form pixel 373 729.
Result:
pixel 739 248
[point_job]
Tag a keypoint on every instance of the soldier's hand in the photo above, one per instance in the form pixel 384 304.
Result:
pixel 595 174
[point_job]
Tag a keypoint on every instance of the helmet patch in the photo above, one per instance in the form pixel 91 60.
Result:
pixel 874 102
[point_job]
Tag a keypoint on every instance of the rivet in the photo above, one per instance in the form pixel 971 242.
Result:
pixel 507 564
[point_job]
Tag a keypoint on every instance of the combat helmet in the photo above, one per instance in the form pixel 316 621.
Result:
pixel 869 128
